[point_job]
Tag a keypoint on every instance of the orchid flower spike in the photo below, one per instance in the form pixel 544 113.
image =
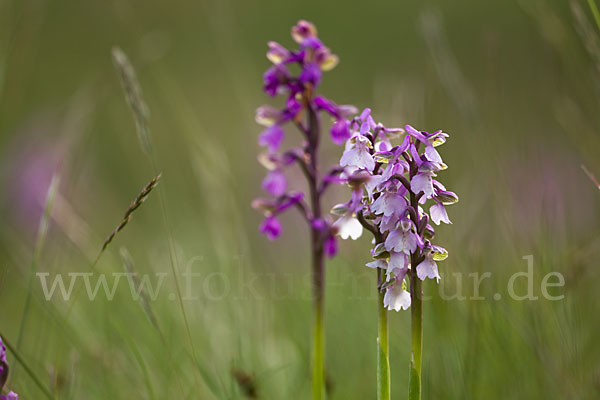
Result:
pixel 392 187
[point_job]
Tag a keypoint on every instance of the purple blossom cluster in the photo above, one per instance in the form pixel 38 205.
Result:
pixel 303 108
pixel 392 185
pixel 4 374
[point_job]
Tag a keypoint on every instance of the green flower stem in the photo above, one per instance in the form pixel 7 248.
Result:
pixel 318 381
pixel 383 346
pixel 416 306
pixel 318 260
pixel 318 348
pixel 414 389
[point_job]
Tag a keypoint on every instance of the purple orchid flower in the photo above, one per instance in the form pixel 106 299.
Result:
pixel 313 58
pixel 400 180
pixel 305 110
pixel 395 184
pixel 4 373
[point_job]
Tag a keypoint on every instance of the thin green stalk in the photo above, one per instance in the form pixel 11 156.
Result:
pixel 139 108
pixel 318 381
pixel 383 346
pixel 416 307
pixel 414 388
pixel 39 245
pixel 318 260
pixel 27 369
pixel 174 271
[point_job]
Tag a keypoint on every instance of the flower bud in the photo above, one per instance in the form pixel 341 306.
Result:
pixel 303 30
pixel 446 197
pixel 277 53
pixel 379 251
pixel 339 209
pixel 267 115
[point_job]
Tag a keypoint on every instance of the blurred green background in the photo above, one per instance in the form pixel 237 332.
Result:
pixel 515 83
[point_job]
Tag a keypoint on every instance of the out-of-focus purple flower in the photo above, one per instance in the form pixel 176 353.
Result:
pixel 330 246
pixel 303 30
pixel 340 131
pixel 312 43
pixel 312 56
pixel 271 228
pixel 267 115
pixel 311 74
pixel 325 60
pixel 4 373
pixel 275 183
pixel 291 110
pixel 289 200
pixel 277 54
pixel 28 166
pixel 337 111
pixel 3 365
pixel 2 352
pixel 274 78
pixel 272 138
pixel 279 205
pixel 304 109
pixel 326 105
pixel 319 224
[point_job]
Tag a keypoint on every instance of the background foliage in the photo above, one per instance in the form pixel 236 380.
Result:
pixel 515 83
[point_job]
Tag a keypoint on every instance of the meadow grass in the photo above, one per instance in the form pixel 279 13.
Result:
pixel 515 155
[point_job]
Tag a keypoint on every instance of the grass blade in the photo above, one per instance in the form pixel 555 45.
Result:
pixel 138 106
pixel 26 367
pixel 591 176
pixel 39 244
pixel 144 301
pixel 595 13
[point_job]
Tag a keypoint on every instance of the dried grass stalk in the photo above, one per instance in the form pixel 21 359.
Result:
pixel 133 94
pixel 135 204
